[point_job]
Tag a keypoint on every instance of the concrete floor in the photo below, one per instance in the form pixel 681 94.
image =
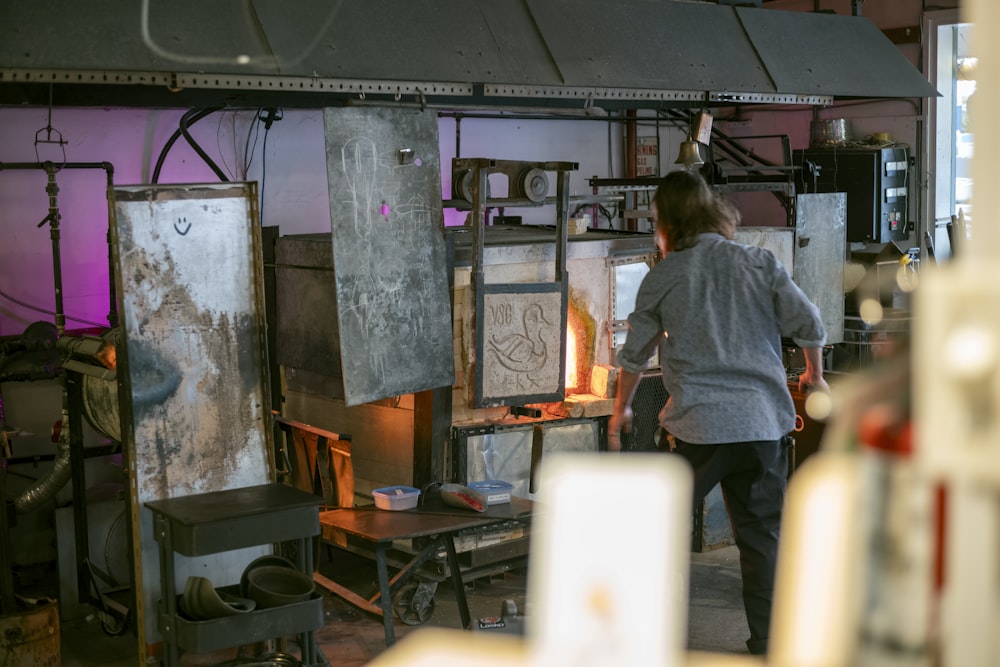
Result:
pixel 350 638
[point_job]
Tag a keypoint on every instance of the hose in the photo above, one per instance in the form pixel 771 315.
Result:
pixel 46 489
pixel 185 119
pixel 189 120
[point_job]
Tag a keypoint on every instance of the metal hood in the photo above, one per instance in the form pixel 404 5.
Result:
pixel 542 53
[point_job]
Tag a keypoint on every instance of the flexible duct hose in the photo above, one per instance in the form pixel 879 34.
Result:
pixel 46 489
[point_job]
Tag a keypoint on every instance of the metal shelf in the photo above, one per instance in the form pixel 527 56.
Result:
pixel 497 202
pixel 208 523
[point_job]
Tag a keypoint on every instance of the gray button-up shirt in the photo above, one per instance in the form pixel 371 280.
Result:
pixel 718 311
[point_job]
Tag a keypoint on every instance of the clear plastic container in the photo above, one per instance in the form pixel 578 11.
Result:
pixel 396 497
pixel 495 491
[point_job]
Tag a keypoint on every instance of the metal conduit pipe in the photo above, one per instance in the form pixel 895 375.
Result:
pixel 46 489
pixel 53 218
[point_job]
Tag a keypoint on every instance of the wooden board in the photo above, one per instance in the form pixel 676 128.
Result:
pixel 390 258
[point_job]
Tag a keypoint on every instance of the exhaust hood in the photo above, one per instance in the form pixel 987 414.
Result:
pixel 613 54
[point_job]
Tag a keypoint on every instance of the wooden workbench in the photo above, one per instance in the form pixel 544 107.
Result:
pixel 435 521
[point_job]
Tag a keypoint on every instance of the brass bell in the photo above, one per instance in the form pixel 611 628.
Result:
pixel 689 154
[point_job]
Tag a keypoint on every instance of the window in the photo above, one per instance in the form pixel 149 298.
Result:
pixel 953 70
pixel 964 83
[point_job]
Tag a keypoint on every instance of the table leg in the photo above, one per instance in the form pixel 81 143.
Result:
pixel 8 604
pixel 456 581
pixel 385 596
pixel 167 604
pixel 309 648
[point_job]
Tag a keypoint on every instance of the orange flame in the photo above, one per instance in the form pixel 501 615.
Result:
pixel 572 371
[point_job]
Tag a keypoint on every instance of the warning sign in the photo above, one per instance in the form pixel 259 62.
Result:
pixel 647 157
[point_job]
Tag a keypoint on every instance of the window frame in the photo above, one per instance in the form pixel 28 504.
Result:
pixel 940 65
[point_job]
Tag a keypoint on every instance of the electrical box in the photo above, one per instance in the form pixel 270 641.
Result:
pixel 875 180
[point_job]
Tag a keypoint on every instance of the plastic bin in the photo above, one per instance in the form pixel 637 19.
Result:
pixel 396 497
pixel 495 491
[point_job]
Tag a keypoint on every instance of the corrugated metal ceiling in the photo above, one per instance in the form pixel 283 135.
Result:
pixel 546 53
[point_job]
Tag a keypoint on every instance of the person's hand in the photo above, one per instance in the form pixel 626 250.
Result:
pixel 621 420
pixel 810 381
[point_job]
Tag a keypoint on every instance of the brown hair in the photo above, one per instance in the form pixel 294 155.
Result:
pixel 687 206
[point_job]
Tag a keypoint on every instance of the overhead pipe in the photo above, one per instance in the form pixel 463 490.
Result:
pixel 107 166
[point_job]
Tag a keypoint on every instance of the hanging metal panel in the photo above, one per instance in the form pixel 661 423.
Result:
pixel 779 240
pixel 820 255
pixel 196 409
pixel 389 252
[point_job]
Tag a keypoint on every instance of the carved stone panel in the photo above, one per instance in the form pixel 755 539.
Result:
pixel 521 347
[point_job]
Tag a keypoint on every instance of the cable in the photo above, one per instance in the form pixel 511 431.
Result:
pixel 249 150
pixel 218 144
pixel 239 171
pixel 175 136
pixel 273 115
pixel 48 312
pixel 197 148
pixel 263 176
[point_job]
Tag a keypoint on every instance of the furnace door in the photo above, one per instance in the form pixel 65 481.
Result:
pixel 520 328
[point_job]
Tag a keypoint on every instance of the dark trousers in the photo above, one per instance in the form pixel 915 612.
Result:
pixel 753 476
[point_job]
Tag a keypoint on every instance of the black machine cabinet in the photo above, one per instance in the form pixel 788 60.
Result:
pixel 875 180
